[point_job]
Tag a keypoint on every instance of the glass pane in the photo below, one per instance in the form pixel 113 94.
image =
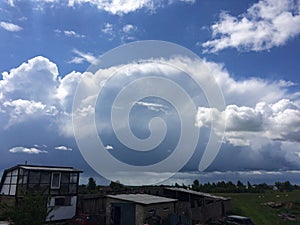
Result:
pixel 7 179
pixel 73 178
pixel 45 177
pixel 72 188
pixel 13 189
pixel 20 179
pixel 25 179
pixel 55 182
pixel 65 178
pixel 34 177
pixel 38 188
pixel 64 189
pixel 15 172
pixel 14 179
pixel 44 188
pixel 33 187
pixel 5 189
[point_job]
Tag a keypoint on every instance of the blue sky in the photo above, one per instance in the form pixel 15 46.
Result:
pixel 251 48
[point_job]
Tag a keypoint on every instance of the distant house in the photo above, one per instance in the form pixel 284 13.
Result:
pixel 136 209
pixel 200 207
pixel 60 183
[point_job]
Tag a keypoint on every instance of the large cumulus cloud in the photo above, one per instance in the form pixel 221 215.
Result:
pixel 262 122
pixel 262 117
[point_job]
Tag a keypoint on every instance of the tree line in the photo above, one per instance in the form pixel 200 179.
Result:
pixel 239 187
pixel 209 187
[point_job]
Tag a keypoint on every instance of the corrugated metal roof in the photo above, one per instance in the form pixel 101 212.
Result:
pixel 142 198
pixel 197 193
pixel 44 168
pixel 49 168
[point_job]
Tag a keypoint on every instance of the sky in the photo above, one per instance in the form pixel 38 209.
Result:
pixel 50 49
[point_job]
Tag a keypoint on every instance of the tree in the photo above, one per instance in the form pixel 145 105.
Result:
pixel 284 186
pixel 249 186
pixel 287 186
pixel 240 184
pixel 91 184
pixel 29 210
pixel 82 189
pixel 230 186
pixel 195 185
pixel 116 186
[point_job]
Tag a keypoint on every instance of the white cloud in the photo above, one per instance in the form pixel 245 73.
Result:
pixel 40 146
pixel 67 88
pixel 125 33
pixel 69 33
pixel 245 125
pixel 28 91
pixel 11 3
pixel 128 28
pixel 117 7
pixel 10 26
pixel 22 107
pixel 153 106
pixel 109 147
pixel 23 18
pixel 269 116
pixel 77 60
pixel 266 24
pixel 63 148
pixel 83 57
pixel 238 91
pixel 21 110
pixel 34 91
pixel 73 33
pixel 128 31
pixel 286 83
pixel 108 30
pixel 34 80
pixel 26 150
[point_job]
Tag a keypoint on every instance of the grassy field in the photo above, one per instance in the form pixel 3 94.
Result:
pixel 252 205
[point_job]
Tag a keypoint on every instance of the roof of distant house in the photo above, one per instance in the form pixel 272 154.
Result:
pixel 144 199
pixel 197 193
pixel 46 168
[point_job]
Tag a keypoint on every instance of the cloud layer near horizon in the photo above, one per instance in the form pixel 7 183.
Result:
pixel 34 93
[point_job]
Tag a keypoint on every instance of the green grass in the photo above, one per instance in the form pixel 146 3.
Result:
pixel 251 205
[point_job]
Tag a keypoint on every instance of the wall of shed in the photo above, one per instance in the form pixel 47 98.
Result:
pixel 199 208
pixel 62 212
pixel 142 212
pixel 93 204
pixel 162 210
pixel 109 202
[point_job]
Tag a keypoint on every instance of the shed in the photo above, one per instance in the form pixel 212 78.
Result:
pixel 130 209
pixel 199 206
